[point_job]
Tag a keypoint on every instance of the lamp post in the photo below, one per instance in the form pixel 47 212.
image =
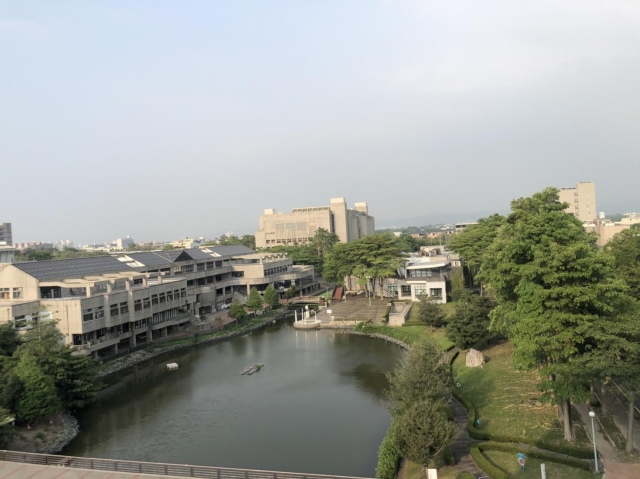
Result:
pixel 593 436
pixel 368 290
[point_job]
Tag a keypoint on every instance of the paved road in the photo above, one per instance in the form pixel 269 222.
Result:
pixel 16 470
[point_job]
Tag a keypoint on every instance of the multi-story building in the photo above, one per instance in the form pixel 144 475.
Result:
pixel 35 246
pixel 123 243
pixel 581 200
pixel 108 302
pixel 5 234
pixel 301 224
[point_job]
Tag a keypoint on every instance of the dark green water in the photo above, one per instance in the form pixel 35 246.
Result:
pixel 315 407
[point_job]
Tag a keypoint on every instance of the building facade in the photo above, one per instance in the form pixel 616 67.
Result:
pixel 581 200
pixel 301 224
pixel 5 234
pixel 106 303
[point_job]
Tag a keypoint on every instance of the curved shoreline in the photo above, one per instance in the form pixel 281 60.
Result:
pixel 138 357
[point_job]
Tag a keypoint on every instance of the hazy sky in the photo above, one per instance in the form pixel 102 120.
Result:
pixel 161 119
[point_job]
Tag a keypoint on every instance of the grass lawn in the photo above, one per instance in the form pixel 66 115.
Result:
pixel 503 398
pixel 411 470
pixel 438 335
pixel 509 462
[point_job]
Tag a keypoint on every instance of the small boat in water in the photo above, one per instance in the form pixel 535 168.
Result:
pixel 252 369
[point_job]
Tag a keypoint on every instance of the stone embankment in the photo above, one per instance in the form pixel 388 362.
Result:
pixel 382 336
pixel 140 356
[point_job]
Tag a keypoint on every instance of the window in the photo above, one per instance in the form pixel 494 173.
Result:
pixel 113 310
pixel 200 266
pixel 190 282
pixel 176 294
pixel 20 322
pixel 183 292
pixel 17 293
pixel 99 312
pixel 420 290
pixel 169 295
pixel 137 281
pixel 124 307
pixel 436 292
pixel 4 293
pixel 210 265
pixel 146 303
pixel 166 271
pixel 209 279
pixel 187 268
pixel 137 305
pixel 154 299
pixel 162 297
pixel 218 264
pixel 237 274
pixel 406 290
pixel 177 270
pixel 87 315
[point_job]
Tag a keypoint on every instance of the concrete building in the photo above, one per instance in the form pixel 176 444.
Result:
pixel 605 229
pixel 35 246
pixel 5 234
pixel 123 243
pixel 106 303
pixel 581 200
pixel 301 224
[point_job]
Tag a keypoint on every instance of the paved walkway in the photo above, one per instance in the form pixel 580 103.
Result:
pixel 16 470
pixel 460 448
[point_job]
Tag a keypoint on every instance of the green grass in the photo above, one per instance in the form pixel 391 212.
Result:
pixel 411 470
pixel 503 398
pixel 438 335
pixel 409 334
pixel 509 463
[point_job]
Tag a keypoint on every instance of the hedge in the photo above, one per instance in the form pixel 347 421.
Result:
pixel 567 461
pixel 480 435
pixel 388 458
pixel 485 465
pixel 449 460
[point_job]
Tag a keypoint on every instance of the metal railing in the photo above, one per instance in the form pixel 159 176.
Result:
pixel 136 467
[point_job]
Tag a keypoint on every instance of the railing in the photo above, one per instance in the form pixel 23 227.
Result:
pixel 135 467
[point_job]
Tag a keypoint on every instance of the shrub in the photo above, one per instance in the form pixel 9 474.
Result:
pixel 467 475
pixel 485 465
pixel 449 460
pixel 388 458
pixel 568 461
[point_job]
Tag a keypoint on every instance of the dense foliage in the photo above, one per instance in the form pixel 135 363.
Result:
pixel 312 253
pixel 254 301
pixel 40 375
pixel 625 249
pixel 470 322
pixel 430 312
pixel 271 297
pixel 236 310
pixel 558 300
pixel 388 458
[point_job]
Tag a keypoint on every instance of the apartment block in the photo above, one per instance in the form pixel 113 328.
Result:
pixel 581 200
pixel 301 224
pixel 107 303
pixel 5 234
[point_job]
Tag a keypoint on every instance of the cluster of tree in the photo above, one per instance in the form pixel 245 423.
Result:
pixel 312 252
pixel 562 303
pixel 470 321
pixel 247 240
pixel 422 420
pixel 67 253
pixel 255 302
pixel 371 259
pixel 39 375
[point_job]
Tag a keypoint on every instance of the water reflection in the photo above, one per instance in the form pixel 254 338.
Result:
pixel 314 408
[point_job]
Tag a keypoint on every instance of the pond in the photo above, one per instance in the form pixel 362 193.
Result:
pixel 315 407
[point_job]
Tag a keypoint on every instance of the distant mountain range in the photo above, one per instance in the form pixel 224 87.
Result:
pixel 435 219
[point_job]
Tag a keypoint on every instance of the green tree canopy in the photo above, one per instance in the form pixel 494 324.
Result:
pixel 254 301
pixel 40 397
pixel 625 249
pixel 470 322
pixel 271 297
pixel 236 310
pixel 558 299
pixel 430 312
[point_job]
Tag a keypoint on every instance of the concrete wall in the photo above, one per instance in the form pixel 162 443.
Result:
pixel 581 200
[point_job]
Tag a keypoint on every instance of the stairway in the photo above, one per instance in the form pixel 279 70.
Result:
pixel 460 448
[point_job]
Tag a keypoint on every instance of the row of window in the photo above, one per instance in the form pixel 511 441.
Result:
pixel 90 314
pixel 423 273
pixel 279 269
pixel 7 293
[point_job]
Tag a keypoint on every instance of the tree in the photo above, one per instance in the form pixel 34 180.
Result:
pixel 470 322
pixel 271 297
pixel 407 243
pixel 474 240
pixel 430 312
pixel 236 311
pixel 422 375
pixel 323 242
pixel 291 292
pixel 558 300
pixel 246 240
pixel 457 284
pixel 40 397
pixel 254 301
pixel 625 248
pixel 74 377
pixel 8 339
pixel 423 430
pixel 377 256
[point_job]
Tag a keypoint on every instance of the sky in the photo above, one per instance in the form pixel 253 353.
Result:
pixel 163 119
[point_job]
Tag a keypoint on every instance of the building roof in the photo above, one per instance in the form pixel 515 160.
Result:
pixel 151 258
pixel 230 250
pixel 63 268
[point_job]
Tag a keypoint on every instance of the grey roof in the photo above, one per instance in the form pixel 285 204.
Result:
pixel 196 253
pixel 155 258
pixel 70 268
pixel 231 250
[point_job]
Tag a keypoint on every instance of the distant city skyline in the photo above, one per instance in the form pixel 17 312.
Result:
pixel 160 119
